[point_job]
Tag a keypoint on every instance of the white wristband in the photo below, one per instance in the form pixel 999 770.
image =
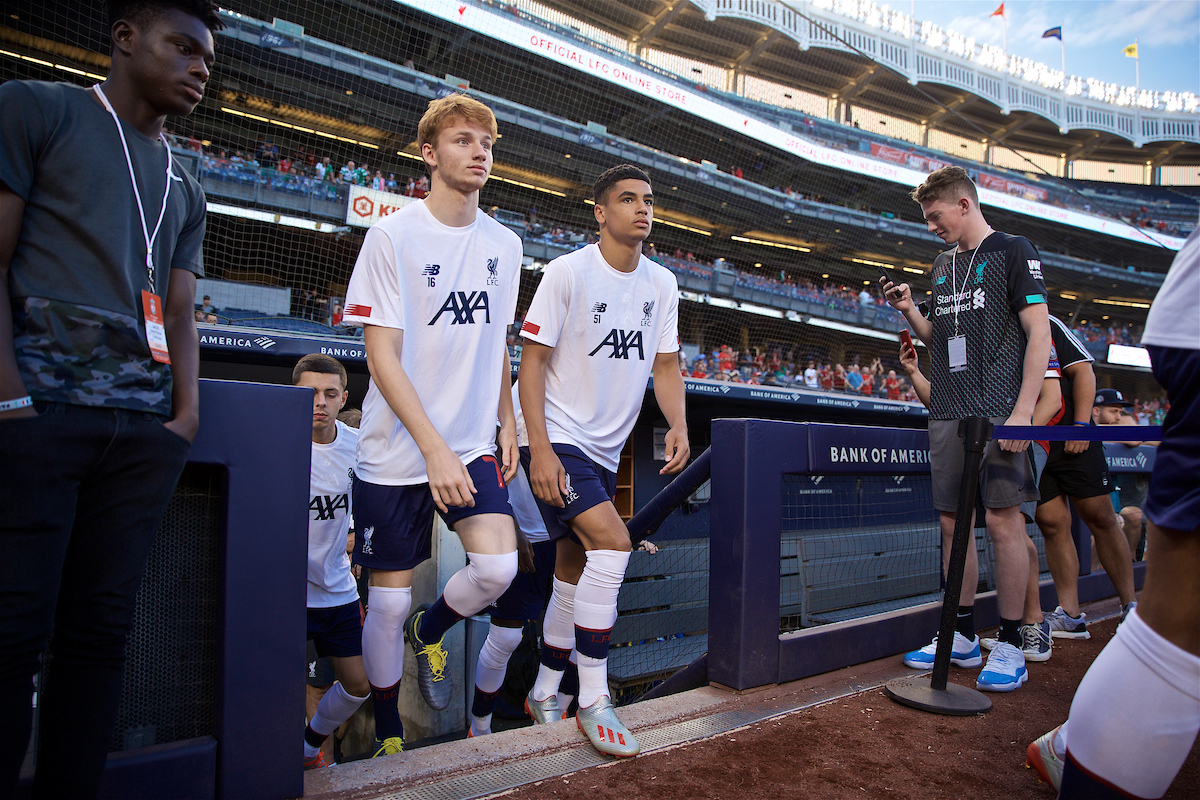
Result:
pixel 13 405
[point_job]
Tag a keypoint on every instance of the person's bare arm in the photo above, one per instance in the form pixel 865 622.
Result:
pixel 449 482
pixel 1035 319
pixel 510 457
pixel 899 297
pixel 1083 394
pixel 547 477
pixel 1049 401
pixel 1132 422
pixel 670 393
pixel 12 211
pixel 920 384
pixel 183 343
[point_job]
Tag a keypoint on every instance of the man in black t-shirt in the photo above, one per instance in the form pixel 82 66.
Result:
pixel 1079 471
pixel 99 357
pixel 989 344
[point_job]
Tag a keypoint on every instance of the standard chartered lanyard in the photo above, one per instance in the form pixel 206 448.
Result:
pixel 147 235
pixel 954 287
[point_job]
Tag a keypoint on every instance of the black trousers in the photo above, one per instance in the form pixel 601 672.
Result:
pixel 82 493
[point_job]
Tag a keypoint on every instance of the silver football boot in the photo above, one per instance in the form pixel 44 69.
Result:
pixel 607 734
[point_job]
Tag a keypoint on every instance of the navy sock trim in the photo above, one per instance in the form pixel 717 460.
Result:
pixel 436 620
pixel 312 738
pixel 1079 784
pixel 556 658
pixel 592 643
pixel 387 714
pixel 484 703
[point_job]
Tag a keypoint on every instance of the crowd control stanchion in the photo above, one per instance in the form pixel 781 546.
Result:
pixel 934 692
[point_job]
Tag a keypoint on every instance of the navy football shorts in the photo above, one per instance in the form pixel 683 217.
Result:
pixel 394 524
pixel 336 631
pixel 588 485
pixel 1173 500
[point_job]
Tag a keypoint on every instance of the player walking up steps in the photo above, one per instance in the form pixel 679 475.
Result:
pixel 434 288
pixel 601 320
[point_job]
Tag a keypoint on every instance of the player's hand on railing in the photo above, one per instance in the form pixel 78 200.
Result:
pixel 547 478
pixel 1015 445
pixel 1077 446
pixel 510 457
pixel 677 450
pixel 449 482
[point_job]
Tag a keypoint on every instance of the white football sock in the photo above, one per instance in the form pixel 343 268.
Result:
pixel 1136 713
pixel 335 707
pixel 558 630
pixel 493 657
pixel 596 610
pixel 475 586
pixel 383 635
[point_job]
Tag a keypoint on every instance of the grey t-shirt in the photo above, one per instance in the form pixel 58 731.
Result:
pixel 76 277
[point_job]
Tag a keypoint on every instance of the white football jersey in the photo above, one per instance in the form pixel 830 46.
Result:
pixel 329 580
pixel 453 291
pixel 606 327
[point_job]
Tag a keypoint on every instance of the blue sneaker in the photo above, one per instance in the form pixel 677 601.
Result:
pixel 1005 670
pixel 964 654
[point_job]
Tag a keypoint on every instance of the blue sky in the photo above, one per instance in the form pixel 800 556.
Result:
pixel 1094 32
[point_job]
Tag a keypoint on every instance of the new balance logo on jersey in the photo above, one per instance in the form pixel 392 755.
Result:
pixel 325 506
pixel 367 533
pixel 462 308
pixel 621 341
pixel 493 266
pixel 430 271
pixel 647 313
pixel 597 310
pixel 977 299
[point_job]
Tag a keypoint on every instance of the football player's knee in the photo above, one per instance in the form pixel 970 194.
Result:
pixel 493 574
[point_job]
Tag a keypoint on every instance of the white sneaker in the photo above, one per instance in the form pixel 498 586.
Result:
pixel 1005 670
pixel 964 654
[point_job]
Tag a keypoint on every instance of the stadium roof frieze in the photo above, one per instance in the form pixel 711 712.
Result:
pixel 932 55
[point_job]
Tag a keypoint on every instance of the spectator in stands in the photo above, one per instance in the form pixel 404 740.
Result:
pixel 96 425
pixel 868 383
pixel 826 377
pixel 839 378
pixel 892 385
pixel 211 319
pixel 854 379
pixel 810 375
pixel 199 315
pixel 378 183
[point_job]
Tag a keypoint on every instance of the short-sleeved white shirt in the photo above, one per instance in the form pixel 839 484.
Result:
pixel 330 583
pixel 605 326
pixel 1173 321
pixel 453 291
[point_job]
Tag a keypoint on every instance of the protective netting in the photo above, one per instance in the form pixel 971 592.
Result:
pixel 170 673
pixel 855 545
pixel 306 135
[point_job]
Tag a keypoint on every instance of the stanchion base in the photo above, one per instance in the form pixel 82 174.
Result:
pixel 954 700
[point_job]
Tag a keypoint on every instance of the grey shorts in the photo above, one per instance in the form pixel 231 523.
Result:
pixel 1005 479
